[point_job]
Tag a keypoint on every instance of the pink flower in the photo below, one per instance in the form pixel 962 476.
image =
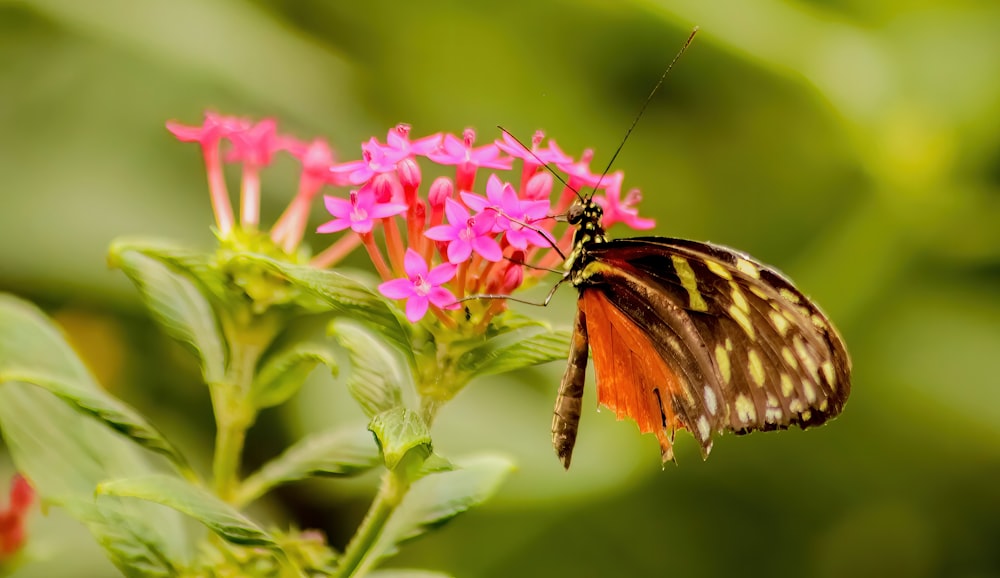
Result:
pixel 579 172
pixel 213 128
pixel 255 145
pixel 397 140
pixel 375 160
pixel 421 288
pixel 468 159
pixel 461 152
pixel 514 216
pixel 619 211
pixel 316 157
pixel 551 155
pixel 466 234
pixel 358 213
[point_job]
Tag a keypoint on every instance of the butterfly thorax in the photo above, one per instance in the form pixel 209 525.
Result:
pixel 586 216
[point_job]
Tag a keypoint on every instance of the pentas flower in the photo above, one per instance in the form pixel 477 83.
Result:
pixel 516 217
pixel 358 213
pixel 465 234
pixel 467 158
pixel 436 245
pixel 421 287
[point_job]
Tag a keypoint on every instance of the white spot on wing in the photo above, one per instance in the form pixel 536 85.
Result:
pixel 710 402
pixel 704 430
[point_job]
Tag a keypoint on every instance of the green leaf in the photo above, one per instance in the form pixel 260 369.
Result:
pixel 33 352
pixel 399 432
pixel 101 406
pixel 194 501
pixel 434 500
pixel 512 321
pixel 345 451
pixel 489 359
pixel 282 373
pixel 178 304
pixel 66 454
pixel 375 375
pixel 347 297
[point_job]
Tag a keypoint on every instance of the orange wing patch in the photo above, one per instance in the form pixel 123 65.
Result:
pixel 632 378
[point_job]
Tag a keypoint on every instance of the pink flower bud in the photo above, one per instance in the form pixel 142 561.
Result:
pixel 539 186
pixel 409 174
pixel 442 189
pixel 386 188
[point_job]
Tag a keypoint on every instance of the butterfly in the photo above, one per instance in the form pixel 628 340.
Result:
pixel 694 336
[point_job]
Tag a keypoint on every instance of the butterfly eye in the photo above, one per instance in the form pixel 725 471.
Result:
pixel 575 213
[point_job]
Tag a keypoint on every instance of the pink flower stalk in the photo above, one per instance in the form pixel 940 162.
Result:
pixel 13 519
pixel 254 147
pixel 214 128
pixel 316 158
pixel 421 287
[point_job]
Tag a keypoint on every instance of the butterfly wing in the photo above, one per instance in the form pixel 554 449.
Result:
pixel 716 341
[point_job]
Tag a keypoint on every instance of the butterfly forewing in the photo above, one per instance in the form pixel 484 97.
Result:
pixel 742 348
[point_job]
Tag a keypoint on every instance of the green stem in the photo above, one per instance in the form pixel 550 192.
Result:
pixel 389 496
pixel 233 416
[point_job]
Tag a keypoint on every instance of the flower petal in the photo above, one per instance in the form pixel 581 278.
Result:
pixel 476 202
pixel 383 210
pixel 397 289
pixel 362 226
pixel 333 226
pixel 337 207
pixel 441 233
pixel 442 298
pixel 414 264
pixel 459 251
pixel 441 274
pixel 456 213
pixel 416 307
pixel 487 247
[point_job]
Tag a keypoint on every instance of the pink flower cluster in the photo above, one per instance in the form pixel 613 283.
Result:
pixel 439 242
pixel 13 519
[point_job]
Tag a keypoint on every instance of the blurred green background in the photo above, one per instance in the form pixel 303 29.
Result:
pixel 853 144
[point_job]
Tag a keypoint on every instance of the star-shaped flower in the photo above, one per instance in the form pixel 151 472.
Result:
pixel 358 213
pixel 466 233
pixel 421 287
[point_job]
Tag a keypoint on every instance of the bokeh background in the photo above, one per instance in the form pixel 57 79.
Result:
pixel 853 144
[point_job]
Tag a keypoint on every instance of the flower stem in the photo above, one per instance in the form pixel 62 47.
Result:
pixel 233 416
pixel 388 498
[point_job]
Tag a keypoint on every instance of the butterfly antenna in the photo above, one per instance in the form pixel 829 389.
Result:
pixel 642 110
pixel 541 162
